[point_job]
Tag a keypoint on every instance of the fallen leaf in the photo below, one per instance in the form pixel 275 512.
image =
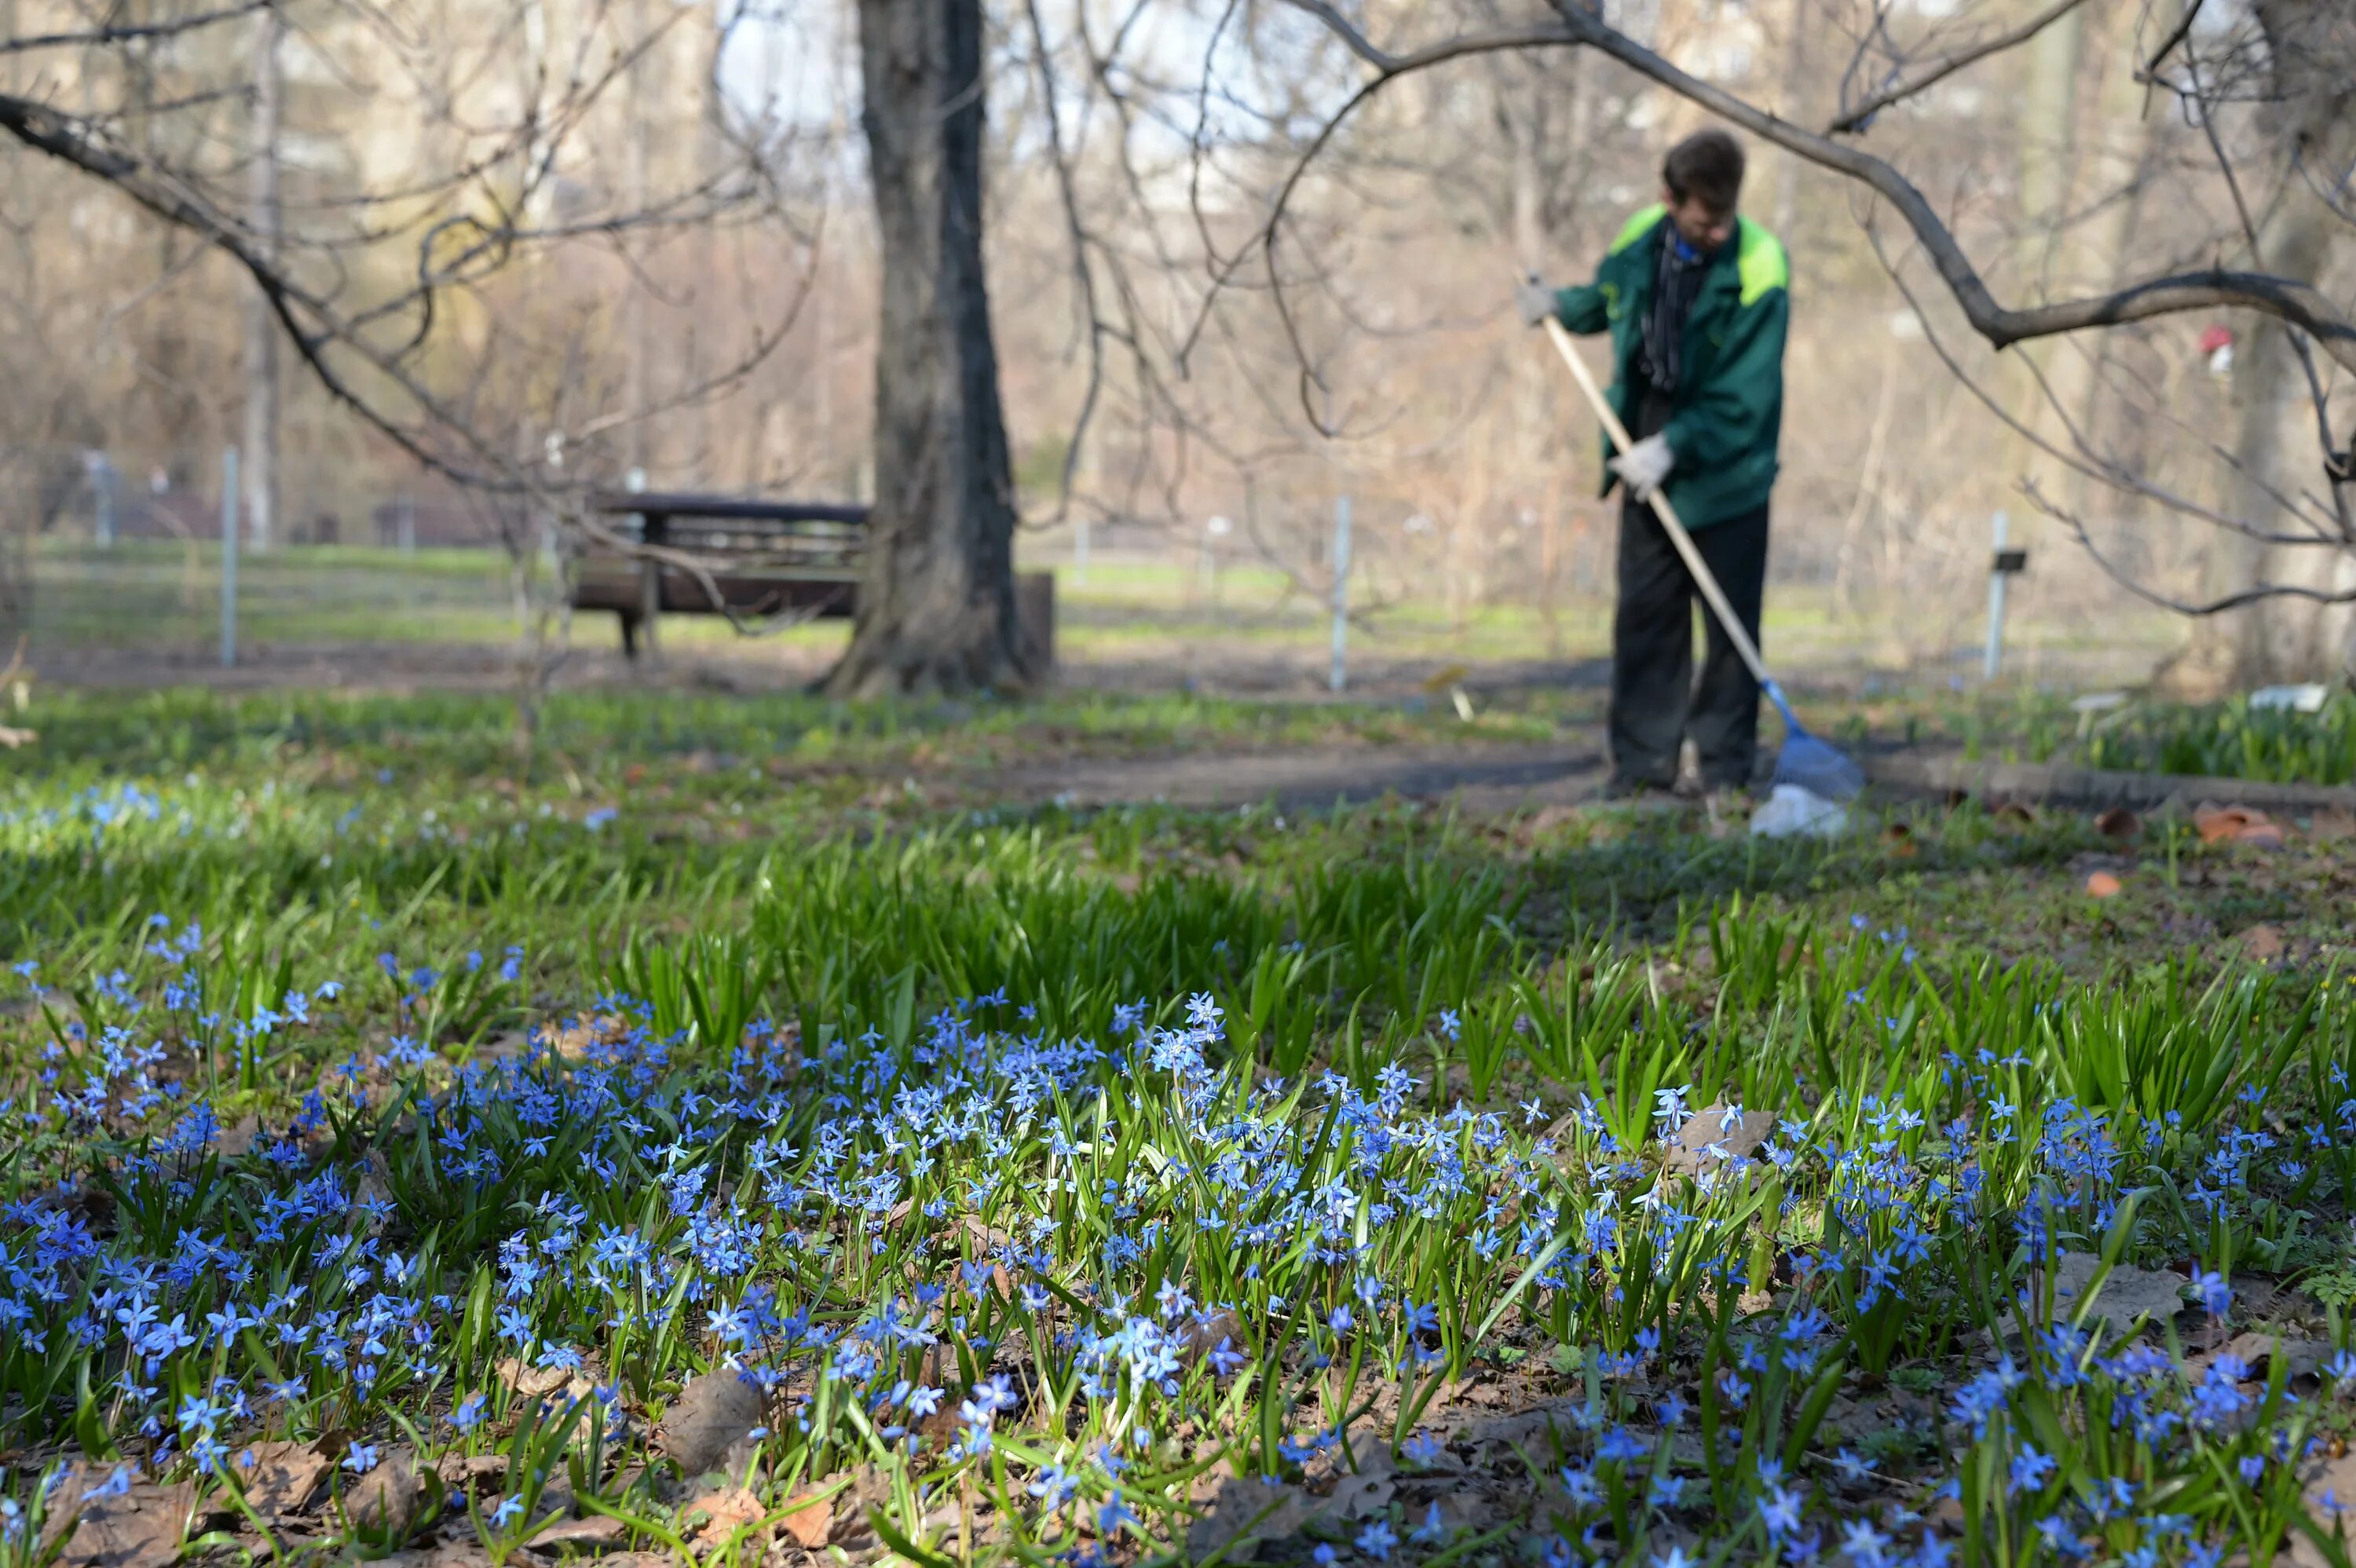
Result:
pixel 2263 943
pixel 1366 1493
pixel 279 1478
pixel 2103 885
pixel 2126 1293
pixel 466 1472
pixel 597 1530
pixel 2119 823
pixel 239 1137
pixel 2330 1486
pixel 1549 818
pixel 1898 839
pixel 2332 822
pixel 539 1382
pixel 2236 825
pixel 577 1037
pixel 2213 822
pixel 385 1498
pixel 1203 1335
pixel 710 1414
pixel 127 1529
pixel 1709 1143
pixel 2011 811
pixel 455 1554
pixel 985 1242
pixel 1247 1514
pixel 2301 1357
pixel 12 738
pixel 727 1511
pixel 809 1517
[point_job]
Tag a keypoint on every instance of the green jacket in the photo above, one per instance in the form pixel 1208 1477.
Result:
pixel 1728 406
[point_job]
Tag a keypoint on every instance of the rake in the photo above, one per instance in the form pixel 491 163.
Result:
pixel 1815 765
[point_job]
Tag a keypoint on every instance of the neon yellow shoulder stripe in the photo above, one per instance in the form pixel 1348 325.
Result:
pixel 1638 226
pixel 1760 263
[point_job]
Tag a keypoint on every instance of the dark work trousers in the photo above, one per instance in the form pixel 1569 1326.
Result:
pixel 1655 701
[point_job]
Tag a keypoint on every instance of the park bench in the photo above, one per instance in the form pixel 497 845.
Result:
pixel 767 559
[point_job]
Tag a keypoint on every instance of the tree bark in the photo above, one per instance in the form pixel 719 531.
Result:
pixel 935 608
pixel 260 460
pixel 2313 118
pixel 1787 166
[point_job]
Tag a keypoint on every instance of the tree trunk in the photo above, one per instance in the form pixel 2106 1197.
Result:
pixel 937 593
pixel 1792 105
pixel 258 461
pixel 2313 118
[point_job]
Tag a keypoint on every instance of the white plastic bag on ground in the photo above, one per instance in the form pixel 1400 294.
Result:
pixel 2308 698
pixel 1791 812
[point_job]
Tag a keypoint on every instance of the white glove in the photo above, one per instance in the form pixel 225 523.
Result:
pixel 1535 301
pixel 1645 465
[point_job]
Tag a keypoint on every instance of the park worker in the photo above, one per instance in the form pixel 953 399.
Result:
pixel 1695 297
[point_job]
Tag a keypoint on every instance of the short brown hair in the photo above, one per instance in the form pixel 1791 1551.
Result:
pixel 1706 166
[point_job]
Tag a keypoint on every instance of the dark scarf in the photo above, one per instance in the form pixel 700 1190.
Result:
pixel 1677 281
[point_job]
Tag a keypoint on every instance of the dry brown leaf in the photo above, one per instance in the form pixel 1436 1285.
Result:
pixel 809 1519
pixel 2126 1293
pixel 1245 1513
pixel 129 1530
pixel 574 1038
pixel 239 1137
pixel 985 1242
pixel 2263 943
pixel 2119 823
pixel 2103 885
pixel 279 1478
pixel 727 1511
pixel 1201 1336
pixel 597 1530
pixel 539 1382
pixel 1366 1493
pixel 2332 822
pixel 2236 825
pixel 2301 1356
pixel 704 1421
pixel 1898 839
pixel 463 1473
pixel 1695 1151
pixel 385 1498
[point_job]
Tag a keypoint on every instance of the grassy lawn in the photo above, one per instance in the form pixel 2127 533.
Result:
pixel 740 1138
pixel 164 595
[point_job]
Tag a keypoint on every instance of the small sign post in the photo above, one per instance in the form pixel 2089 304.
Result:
pixel 2002 564
pixel 1338 676
pixel 229 559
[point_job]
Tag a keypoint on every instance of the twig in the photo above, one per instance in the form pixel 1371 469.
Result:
pixel 1861 117
pixel 2258 593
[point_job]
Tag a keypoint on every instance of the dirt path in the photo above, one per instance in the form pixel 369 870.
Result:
pixel 1483 778
pixel 754 667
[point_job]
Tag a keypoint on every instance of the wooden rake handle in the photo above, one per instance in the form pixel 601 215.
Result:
pixel 1702 575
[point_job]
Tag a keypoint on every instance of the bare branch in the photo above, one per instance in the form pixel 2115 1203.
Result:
pixel 2254 594
pixel 2083 461
pixel 128 33
pixel 1861 117
pixel 2292 300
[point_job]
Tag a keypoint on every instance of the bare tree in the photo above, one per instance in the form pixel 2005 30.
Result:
pixel 2291 64
pixel 262 393
pixel 476 145
pixel 937 593
pixel 1243 252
